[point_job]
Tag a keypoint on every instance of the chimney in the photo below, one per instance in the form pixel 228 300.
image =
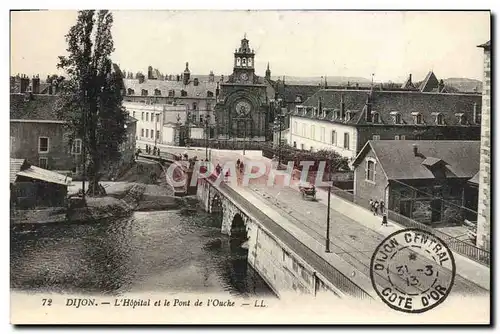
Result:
pixel 415 149
pixel 178 77
pixel 441 85
pixel 342 106
pixel 217 90
pixel 409 78
pixel 35 84
pixel 211 77
pixel 369 108
pixel 25 82
pixel 195 81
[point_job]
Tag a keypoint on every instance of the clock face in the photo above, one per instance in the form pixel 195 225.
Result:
pixel 243 107
pixel 244 76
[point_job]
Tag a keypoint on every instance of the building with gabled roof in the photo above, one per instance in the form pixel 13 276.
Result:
pixel 344 120
pixel 424 180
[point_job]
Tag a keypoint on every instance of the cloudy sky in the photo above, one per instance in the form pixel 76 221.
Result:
pixel 296 43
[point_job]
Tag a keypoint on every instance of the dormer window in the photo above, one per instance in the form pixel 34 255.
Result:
pixel 440 119
pixel 130 91
pixel 462 120
pixel 157 92
pixel 348 116
pixel 210 94
pixel 183 93
pixel 298 99
pixel 376 117
pixel 337 114
pixel 144 92
pixel 171 93
pixel 396 116
pixel 417 118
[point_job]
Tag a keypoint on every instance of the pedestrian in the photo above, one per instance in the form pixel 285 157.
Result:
pixel 238 163
pixel 154 150
pixel 147 149
pixel 158 151
pixel 218 169
pixel 375 207
pixel 384 220
pixel 382 207
pixel 371 205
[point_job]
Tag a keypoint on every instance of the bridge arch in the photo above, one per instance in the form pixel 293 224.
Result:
pixel 238 234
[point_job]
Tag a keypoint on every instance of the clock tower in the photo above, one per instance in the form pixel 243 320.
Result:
pixel 242 109
pixel 244 71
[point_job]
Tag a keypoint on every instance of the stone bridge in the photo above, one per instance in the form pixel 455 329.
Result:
pixel 282 261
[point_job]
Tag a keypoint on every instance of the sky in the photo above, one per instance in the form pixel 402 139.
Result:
pixel 389 45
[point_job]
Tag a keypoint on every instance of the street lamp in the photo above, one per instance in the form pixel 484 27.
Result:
pixel 207 118
pixel 327 245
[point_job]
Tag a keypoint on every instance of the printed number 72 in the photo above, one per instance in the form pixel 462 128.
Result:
pixel 46 302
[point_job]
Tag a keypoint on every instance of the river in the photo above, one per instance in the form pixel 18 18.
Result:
pixel 160 251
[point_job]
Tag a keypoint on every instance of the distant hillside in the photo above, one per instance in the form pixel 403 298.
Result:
pixel 464 84
pixel 332 81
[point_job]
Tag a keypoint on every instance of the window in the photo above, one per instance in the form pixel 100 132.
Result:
pixel 147 117
pixel 418 119
pixel 376 118
pixel 142 116
pixel 157 92
pixel 397 119
pixel 294 144
pixel 144 92
pixel 195 106
pixel 396 137
pixel 133 113
pixel 210 94
pixel 209 107
pixel 376 137
pixel 77 147
pixel 171 93
pixel 147 133
pixel 322 134
pixel 370 170
pixel 43 145
pixel 313 130
pixel 152 133
pixel 303 130
pixel 43 163
pixel 440 119
pixel 403 137
pixel 346 140
pixel 130 91
pixel 157 134
pixel 249 61
pixel 334 137
pixel 183 93
pixel 157 117
pixel 238 61
pixel 243 62
pixel 142 132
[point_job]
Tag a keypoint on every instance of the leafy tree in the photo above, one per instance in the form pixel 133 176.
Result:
pixel 91 99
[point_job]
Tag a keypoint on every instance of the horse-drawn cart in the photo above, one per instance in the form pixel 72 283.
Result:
pixel 307 190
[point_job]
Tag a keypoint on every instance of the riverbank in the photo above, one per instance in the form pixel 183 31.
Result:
pixel 121 200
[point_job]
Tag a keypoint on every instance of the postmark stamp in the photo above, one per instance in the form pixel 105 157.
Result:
pixel 412 270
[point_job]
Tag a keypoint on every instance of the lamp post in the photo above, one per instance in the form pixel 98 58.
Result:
pixel 207 118
pixel 327 245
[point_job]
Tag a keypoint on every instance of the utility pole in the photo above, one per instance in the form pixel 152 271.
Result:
pixel 327 245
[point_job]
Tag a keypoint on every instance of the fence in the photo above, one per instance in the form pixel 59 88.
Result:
pixel 459 246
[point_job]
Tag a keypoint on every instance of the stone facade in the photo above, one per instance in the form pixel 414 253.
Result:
pixel 484 202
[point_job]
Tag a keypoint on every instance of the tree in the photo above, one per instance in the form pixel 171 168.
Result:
pixel 91 96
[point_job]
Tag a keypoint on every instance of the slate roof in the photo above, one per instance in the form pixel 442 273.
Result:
pixel 397 158
pixel 164 86
pixel 388 103
pixel 289 93
pixel 430 83
pixel 38 107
